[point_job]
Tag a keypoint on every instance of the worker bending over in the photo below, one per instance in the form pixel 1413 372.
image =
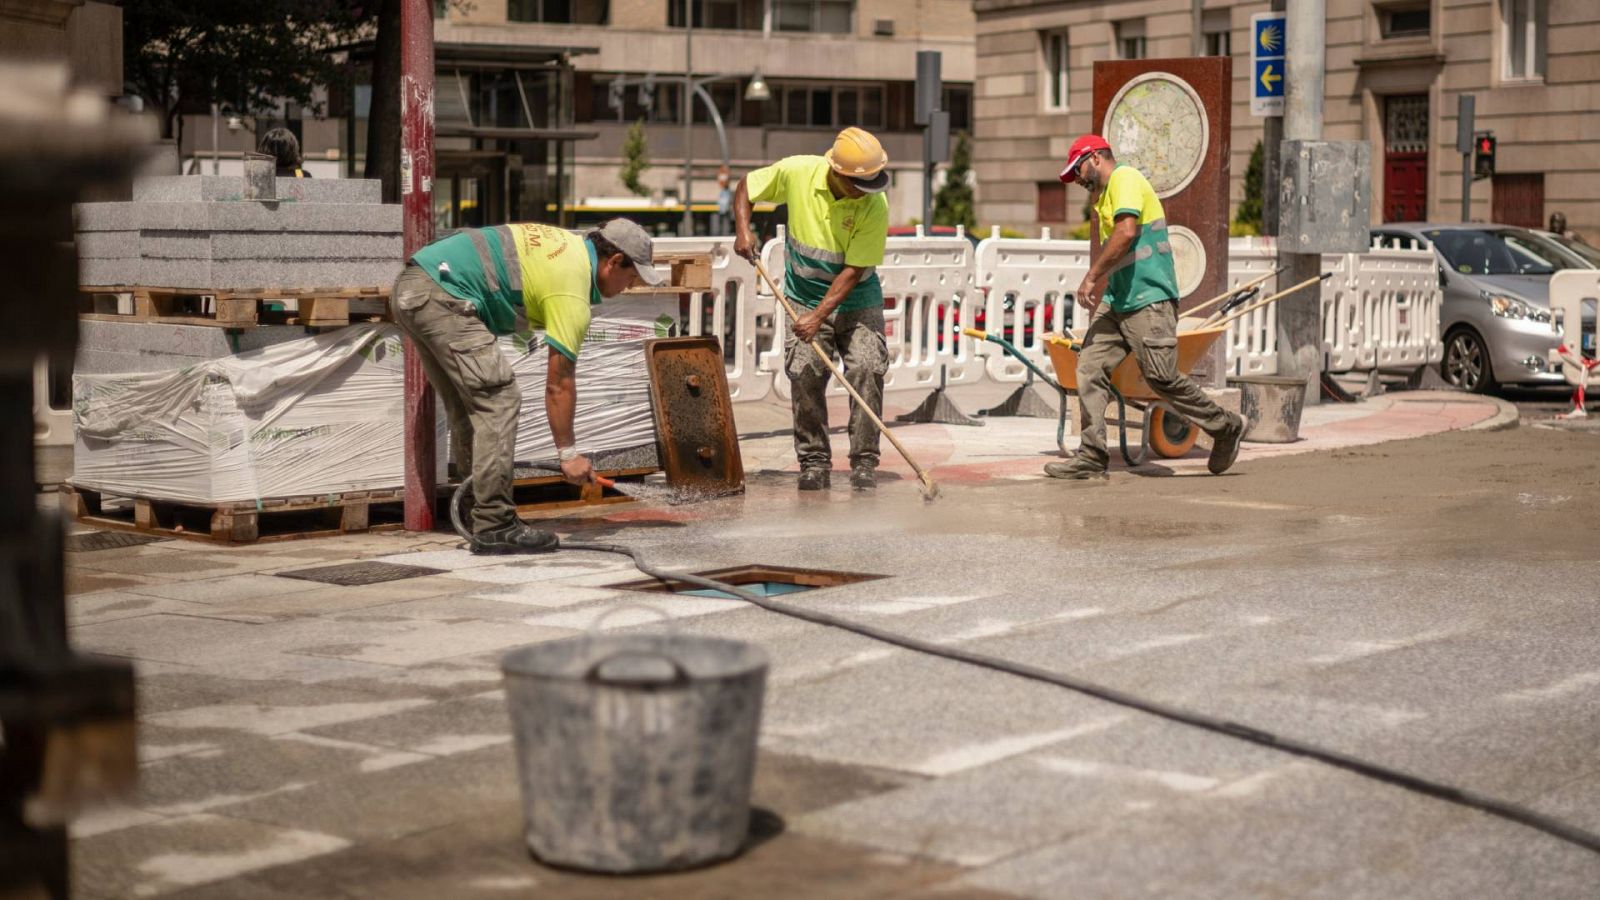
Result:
pixel 838 223
pixel 1134 275
pixel 457 294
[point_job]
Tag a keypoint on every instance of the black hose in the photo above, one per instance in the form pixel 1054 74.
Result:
pixel 1461 796
pixel 1512 812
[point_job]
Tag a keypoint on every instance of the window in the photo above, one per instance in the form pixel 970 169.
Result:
pixel 824 106
pixel 1218 31
pixel 1407 23
pixel 821 16
pixel 707 14
pixel 1130 39
pixel 1522 28
pixel 958 103
pixel 559 12
pixel 1056 64
pixel 1051 204
pixel 440 8
pixel 725 94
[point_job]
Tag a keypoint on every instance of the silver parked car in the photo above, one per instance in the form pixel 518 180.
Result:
pixel 1495 320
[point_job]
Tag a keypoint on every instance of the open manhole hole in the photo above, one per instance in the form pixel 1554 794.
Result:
pixel 765 581
pixel 359 573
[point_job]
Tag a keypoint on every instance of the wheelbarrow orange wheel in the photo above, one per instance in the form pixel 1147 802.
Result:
pixel 1171 435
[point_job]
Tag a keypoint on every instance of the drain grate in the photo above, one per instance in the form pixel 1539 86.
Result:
pixel 765 581
pixel 108 540
pixel 359 573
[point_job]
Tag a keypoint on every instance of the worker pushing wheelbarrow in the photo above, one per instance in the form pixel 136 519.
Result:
pixel 1131 293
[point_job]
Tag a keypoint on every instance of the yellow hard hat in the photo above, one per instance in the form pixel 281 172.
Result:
pixel 858 156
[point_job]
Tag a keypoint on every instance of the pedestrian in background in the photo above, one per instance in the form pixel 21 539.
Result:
pixel 282 145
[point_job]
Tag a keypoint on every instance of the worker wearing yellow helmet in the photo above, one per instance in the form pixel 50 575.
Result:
pixel 838 221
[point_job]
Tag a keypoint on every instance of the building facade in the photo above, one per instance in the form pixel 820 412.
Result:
pixel 1395 69
pixel 827 64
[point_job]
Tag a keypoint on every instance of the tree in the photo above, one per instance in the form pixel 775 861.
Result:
pixel 182 54
pixel 635 159
pixel 953 204
pixel 1249 213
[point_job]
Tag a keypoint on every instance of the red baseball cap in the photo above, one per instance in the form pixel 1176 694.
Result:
pixel 1081 147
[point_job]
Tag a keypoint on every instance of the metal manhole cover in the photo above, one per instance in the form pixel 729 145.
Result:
pixel 359 573
pixel 108 540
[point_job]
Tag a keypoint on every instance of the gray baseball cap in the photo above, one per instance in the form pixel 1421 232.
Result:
pixel 634 242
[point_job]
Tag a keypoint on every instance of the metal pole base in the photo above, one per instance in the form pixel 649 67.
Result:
pixel 1024 402
pixel 939 409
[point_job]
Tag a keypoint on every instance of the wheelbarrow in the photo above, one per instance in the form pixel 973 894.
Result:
pixel 1163 431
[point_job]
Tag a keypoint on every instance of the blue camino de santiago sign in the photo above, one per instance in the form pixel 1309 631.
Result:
pixel 1267 42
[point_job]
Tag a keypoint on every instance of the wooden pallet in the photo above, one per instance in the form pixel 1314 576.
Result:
pixel 242 521
pixel 549 495
pixel 317 307
pixel 322 515
pixel 690 273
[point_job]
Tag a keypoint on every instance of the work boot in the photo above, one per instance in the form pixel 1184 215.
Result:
pixel 1225 445
pixel 1078 468
pixel 814 480
pixel 518 537
pixel 864 478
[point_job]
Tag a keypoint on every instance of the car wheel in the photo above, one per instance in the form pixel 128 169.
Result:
pixel 1466 362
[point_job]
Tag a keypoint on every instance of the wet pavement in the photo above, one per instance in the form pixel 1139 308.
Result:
pixel 1428 603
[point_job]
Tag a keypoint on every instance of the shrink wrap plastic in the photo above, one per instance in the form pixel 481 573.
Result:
pixel 322 415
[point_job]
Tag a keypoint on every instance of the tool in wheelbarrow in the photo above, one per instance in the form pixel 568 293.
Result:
pixel 1233 297
pixel 929 489
pixel 1163 431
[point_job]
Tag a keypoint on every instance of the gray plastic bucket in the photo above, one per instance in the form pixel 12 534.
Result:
pixel 1271 406
pixel 635 753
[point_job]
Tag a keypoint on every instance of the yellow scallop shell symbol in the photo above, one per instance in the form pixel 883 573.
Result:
pixel 1271 38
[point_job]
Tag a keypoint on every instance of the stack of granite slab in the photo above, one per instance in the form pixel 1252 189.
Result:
pixel 198 232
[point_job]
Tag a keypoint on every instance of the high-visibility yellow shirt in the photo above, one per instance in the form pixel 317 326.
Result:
pixel 1146 275
pixel 546 273
pixel 825 234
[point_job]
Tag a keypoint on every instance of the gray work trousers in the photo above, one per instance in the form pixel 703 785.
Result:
pixel 474 382
pixel 1151 334
pixel 856 338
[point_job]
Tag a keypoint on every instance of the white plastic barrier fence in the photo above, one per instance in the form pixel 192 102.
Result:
pixel 1380 310
pixel 929 297
pixel 1574 308
pixel 1400 299
pixel 1252 339
pixel 1028 286
pixel 1343 325
pixel 729 312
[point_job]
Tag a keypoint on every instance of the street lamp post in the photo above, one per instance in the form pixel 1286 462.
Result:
pixel 756 90
pixel 686 109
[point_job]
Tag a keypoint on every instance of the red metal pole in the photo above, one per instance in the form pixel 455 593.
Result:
pixel 416 201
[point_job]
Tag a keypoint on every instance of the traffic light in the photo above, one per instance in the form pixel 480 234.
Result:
pixel 1483 155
